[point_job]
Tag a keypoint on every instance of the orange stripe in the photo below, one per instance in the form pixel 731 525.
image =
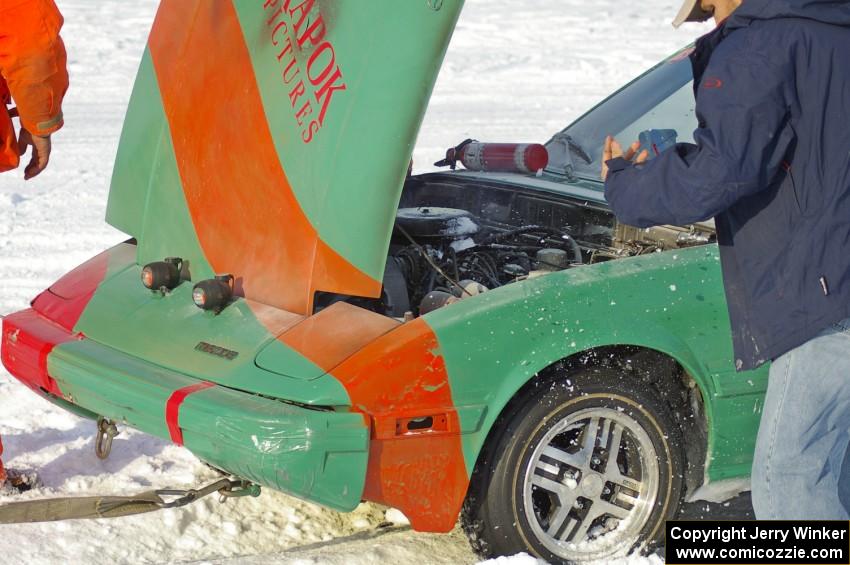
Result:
pixel 336 333
pixel 247 218
pixel 403 375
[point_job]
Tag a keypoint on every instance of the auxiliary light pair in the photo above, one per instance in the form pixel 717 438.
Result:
pixel 210 294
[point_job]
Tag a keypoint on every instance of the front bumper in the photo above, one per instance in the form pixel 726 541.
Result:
pixel 319 455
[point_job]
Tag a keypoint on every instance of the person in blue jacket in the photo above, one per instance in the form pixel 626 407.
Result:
pixel 771 164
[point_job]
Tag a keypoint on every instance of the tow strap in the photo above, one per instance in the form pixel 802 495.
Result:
pixel 92 507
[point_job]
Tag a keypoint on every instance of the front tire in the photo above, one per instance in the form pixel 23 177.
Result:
pixel 581 469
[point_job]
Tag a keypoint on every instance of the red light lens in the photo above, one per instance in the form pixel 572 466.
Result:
pixel 147 277
pixel 162 275
pixel 213 294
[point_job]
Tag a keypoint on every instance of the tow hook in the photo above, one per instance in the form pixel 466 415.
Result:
pixel 106 432
pixel 239 489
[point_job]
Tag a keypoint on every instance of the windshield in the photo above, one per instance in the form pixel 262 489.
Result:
pixel 662 99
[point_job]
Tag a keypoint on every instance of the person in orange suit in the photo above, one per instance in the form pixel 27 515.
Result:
pixel 33 77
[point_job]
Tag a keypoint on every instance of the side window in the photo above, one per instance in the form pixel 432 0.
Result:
pixel 676 112
pixel 661 99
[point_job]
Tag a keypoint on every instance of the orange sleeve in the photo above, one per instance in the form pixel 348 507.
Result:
pixel 33 62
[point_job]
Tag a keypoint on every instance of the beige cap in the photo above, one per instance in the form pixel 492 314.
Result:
pixel 691 12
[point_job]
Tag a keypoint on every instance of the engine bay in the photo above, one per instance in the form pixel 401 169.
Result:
pixel 447 254
pixel 455 238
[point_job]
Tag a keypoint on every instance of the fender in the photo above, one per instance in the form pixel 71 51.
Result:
pixel 493 344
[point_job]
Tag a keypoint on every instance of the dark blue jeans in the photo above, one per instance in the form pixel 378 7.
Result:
pixel 801 468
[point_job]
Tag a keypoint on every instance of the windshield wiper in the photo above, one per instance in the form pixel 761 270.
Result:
pixel 575 147
pixel 563 162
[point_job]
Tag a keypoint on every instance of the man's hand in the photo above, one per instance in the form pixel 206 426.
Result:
pixel 613 150
pixel 40 152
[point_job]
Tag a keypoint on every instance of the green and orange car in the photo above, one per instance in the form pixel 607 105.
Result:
pixel 489 346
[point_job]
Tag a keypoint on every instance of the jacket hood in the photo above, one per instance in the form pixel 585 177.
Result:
pixel 836 12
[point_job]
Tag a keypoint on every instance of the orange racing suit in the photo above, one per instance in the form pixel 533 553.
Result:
pixel 33 71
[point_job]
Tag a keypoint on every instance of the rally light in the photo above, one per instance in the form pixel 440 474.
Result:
pixel 213 294
pixel 162 274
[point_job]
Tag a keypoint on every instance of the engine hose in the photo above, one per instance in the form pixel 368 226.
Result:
pixel 430 261
pixel 576 248
pixel 500 237
pixel 454 263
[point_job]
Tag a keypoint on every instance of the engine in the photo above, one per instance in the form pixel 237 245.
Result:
pixel 442 255
pixel 481 236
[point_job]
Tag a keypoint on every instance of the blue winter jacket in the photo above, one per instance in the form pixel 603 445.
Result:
pixel 771 164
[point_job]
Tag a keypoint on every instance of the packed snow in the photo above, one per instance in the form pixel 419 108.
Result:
pixel 515 72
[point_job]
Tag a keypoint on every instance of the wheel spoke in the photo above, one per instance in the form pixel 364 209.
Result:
pixel 623 496
pixel 607 425
pixel 549 485
pixel 548 467
pixel 612 470
pixel 591 433
pixel 604 507
pixel 576 460
pixel 625 483
pixel 580 533
pixel 558 522
pixel 616 440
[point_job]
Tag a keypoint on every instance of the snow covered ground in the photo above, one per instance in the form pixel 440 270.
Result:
pixel 516 71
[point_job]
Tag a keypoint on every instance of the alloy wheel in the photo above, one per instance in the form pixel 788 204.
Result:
pixel 591 484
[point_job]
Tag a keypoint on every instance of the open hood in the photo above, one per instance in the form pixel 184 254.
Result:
pixel 269 139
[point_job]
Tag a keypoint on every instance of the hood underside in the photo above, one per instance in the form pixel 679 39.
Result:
pixel 270 140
